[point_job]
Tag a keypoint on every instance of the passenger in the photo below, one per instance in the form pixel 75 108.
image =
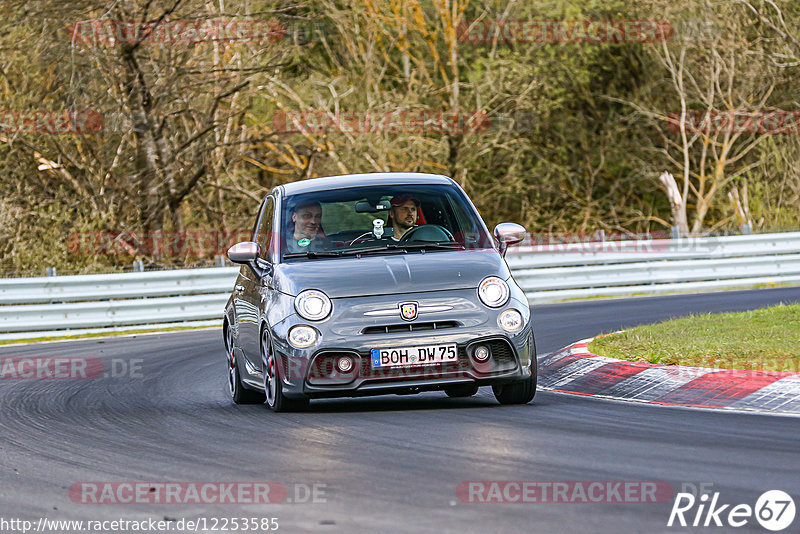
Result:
pixel 305 229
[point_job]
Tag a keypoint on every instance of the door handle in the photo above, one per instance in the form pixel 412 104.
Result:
pixel 239 288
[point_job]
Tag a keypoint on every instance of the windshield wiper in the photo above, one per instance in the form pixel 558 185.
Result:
pixel 434 246
pixel 314 254
pixel 388 247
pixel 405 247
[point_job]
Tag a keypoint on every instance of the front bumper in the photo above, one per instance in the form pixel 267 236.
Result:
pixel 350 331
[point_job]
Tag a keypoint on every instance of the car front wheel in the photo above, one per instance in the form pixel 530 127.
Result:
pixel 273 388
pixel 520 392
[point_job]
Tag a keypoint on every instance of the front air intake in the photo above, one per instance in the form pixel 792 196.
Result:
pixel 410 327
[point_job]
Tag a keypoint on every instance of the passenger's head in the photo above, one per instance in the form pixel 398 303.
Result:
pixel 307 219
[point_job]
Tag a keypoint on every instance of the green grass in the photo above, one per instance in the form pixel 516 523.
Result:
pixel 766 339
pixel 102 334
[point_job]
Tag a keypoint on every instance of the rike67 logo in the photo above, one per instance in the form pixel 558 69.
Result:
pixel 774 510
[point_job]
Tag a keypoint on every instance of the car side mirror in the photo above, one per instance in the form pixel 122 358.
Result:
pixel 247 253
pixel 508 234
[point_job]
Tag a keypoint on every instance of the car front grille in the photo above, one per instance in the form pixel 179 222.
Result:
pixel 323 373
pixel 501 351
pixel 410 327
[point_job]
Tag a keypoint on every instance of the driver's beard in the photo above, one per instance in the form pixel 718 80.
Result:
pixel 404 229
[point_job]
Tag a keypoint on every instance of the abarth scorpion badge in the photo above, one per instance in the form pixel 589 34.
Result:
pixel 408 310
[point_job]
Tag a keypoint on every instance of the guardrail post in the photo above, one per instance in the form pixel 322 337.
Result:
pixel 676 232
pixel 50 271
pixel 747 229
pixel 220 261
pixel 138 266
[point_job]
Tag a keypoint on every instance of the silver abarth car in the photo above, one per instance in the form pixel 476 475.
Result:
pixel 374 284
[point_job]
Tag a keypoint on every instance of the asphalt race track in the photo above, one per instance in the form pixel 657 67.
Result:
pixel 384 464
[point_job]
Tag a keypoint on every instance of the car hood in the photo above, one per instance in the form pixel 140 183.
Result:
pixel 390 274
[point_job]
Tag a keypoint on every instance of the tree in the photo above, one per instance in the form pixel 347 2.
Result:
pixel 718 87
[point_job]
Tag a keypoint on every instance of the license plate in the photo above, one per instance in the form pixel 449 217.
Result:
pixel 411 356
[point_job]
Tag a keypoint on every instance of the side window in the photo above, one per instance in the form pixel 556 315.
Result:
pixel 471 233
pixel 437 212
pixel 264 231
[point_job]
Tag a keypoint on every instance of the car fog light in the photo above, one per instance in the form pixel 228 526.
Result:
pixel 510 320
pixel 481 353
pixel 345 364
pixel 302 336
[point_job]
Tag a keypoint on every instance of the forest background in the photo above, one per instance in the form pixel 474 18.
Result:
pixel 167 133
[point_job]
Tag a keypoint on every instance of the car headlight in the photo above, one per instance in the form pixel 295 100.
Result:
pixel 302 336
pixel 493 291
pixel 313 305
pixel 510 320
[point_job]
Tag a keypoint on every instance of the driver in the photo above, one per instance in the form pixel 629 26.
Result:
pixel 403 215
pixel 305 231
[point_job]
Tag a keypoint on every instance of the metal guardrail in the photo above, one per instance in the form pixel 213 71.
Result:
pixel 557 271
pixel 115 286
pixel 56 305
pixel 548 272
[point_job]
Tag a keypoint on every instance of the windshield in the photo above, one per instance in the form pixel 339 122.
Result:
pixel 379 220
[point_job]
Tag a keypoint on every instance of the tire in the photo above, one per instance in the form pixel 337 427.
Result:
pixel 273 387
pixel 461 390
pixel 239 393
pixel 522 391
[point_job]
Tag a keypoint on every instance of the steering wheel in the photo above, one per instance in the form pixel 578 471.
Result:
pixel 430 233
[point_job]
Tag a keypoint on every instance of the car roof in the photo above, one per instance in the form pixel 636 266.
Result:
pixel 367 179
